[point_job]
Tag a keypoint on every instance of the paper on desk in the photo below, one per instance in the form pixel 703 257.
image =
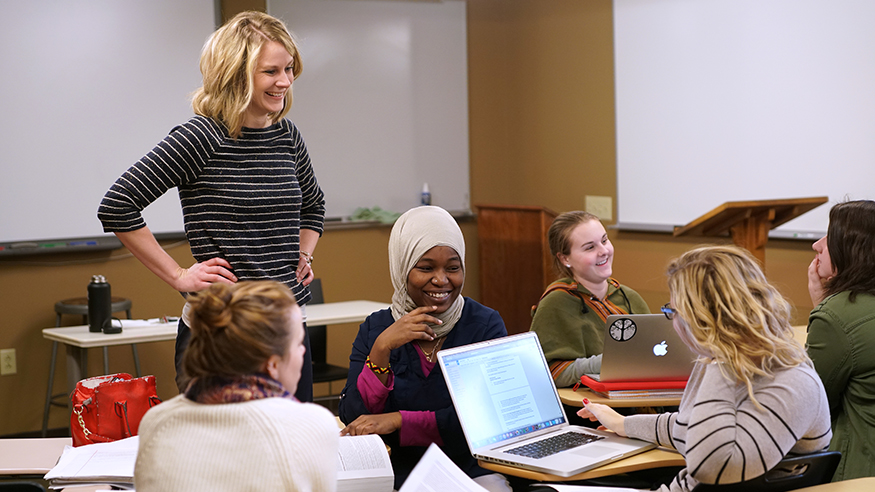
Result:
pixel 136 323
pixel 102 462
pixel 435 472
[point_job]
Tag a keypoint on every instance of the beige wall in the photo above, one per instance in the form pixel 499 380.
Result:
pixel 541 133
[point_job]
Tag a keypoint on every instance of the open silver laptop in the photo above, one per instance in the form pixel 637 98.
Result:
pixel 643 347
pixel 508 405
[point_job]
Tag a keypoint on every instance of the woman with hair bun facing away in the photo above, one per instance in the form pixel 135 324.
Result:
pixel 570 317
pixel 237 426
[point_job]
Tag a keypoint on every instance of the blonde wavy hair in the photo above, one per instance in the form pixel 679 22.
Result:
pixel 228 63
pixel 731 313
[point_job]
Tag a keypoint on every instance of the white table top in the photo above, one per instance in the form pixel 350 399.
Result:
pixel 317 314
pixel 79 336
pixel 332 313
pixel 31 456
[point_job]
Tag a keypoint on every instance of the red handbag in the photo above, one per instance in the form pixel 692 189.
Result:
pixel 108 408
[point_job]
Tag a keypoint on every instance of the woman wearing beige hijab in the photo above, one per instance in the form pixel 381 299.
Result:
pixel 394 388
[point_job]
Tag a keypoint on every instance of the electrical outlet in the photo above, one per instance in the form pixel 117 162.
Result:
pixel 7 362
pixel 600 206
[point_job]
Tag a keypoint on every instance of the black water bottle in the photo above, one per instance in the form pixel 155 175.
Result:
pixel 99 304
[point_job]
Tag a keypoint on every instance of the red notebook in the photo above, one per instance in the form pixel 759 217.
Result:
pixel 631 385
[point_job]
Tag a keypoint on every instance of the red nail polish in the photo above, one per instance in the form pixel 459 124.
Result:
pixel 585 401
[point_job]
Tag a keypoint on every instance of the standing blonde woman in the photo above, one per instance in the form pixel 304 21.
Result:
pixel 753 396
pixel 250 201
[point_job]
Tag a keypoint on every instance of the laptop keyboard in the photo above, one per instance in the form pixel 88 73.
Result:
pixel 554 445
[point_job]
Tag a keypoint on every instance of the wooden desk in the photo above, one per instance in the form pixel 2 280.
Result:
pixel 78 339
pixel 31 456
pixel 575 398
pixel 655 458
pixel 866 484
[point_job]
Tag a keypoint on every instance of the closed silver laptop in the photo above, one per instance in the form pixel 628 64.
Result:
pixel 644 347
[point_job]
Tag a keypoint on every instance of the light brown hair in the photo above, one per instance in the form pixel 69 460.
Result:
pixel 235 328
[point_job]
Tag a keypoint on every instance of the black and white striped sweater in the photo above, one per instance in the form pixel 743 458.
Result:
pixel 243 200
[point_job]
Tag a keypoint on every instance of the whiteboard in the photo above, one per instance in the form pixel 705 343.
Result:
pixel 90 86
pixel 726 100
pixel 382 102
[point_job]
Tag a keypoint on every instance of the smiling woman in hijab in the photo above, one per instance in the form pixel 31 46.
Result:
pixel 394 388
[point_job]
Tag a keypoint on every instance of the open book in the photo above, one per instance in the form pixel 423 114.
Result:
pixel 363 465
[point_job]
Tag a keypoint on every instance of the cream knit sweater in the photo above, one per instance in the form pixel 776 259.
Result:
pixel 268 444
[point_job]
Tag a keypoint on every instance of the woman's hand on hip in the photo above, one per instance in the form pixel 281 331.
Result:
pixel 381 423
pixel 200 275
pixel 305 273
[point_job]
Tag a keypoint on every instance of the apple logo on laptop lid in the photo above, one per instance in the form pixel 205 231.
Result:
pixel 660 349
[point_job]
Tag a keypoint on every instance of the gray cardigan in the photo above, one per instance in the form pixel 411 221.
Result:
pixel 725 438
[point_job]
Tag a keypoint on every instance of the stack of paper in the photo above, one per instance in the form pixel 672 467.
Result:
pixel 110 463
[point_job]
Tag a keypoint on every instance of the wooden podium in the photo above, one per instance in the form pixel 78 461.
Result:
pixel 749 222
pixel 515 261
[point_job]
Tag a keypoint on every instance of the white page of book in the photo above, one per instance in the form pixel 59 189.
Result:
pixel 103 460
pixel 363 457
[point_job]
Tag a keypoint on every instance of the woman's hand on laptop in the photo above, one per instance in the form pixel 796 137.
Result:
pixel 606 415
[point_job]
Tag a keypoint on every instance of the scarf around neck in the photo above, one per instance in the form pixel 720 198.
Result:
pixel 221 389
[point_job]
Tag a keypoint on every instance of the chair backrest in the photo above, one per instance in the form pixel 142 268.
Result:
pixel 791 473
pixel 318 334
pixel 21 487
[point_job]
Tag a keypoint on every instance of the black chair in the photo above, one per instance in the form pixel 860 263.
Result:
pixel 323 372
pixel 21 487
pixel 791 473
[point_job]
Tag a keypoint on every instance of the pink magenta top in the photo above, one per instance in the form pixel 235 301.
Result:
pixel 418 428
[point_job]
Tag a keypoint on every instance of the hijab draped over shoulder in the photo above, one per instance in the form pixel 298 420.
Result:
pixel 414 233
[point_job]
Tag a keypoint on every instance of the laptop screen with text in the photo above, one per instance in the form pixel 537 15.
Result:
pixel 502 389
